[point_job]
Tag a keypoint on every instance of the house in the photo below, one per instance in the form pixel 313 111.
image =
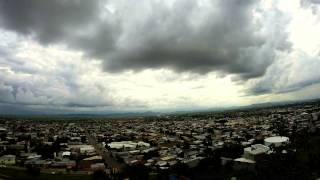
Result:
pixel 255 151
pixel 250 156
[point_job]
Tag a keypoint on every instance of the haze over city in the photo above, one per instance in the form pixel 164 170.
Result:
pixel 114 56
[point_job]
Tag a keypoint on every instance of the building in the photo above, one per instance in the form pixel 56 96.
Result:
pixel 128 145
pixel 276 141
pixel 254 151
pixel 250 155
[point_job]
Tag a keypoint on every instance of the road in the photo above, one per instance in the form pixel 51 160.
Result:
pixel 104 153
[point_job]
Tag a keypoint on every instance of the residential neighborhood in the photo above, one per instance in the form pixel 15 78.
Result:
pixel 156 145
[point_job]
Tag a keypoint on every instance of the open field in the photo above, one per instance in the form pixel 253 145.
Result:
pixel 17 174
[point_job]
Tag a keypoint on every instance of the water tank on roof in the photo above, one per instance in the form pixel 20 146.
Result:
pixel 276 141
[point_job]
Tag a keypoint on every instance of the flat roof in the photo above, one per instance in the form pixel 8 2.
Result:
pixel 244 160
pixel 257 149
pixel 276 139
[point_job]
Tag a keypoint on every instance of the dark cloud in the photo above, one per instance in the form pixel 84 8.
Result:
pixel 288 75
pixel 291 72
pixel 47 20
pixel 29 82
pixel 87 105
pixel 227 40
pixel 24 109
pixel 221 36
pixel 313 4
pixel 76 23
pixel 261 89
pixel 309 2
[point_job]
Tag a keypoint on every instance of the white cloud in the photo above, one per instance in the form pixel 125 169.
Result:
pixel 54 75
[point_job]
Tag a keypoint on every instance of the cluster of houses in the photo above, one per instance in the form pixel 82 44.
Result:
pixel 50 147
pixel 158 143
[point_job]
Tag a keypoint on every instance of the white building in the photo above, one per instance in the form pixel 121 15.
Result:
pixel 128 145
pixel 250 155
pixel 276 141
pixel 255 150
pixel 83 148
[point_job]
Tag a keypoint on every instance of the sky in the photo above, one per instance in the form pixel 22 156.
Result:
pixel 72 56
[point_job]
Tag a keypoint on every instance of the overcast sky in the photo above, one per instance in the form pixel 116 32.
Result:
pixel 101 56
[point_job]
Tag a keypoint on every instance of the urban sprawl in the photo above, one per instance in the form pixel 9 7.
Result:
pixel 171 145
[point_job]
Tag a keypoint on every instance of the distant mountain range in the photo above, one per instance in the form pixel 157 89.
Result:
pixel 9 111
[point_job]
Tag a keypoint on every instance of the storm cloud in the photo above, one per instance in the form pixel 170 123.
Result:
pixel 225 36
pixel 77 54
pixel 53 81
pixel 292 73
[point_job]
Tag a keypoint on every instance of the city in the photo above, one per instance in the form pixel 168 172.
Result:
pixel 204 145
pixel 159 90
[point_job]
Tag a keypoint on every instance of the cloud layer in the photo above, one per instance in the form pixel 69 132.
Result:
pixel 185 36
pixel 52 52
pixel 57 80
